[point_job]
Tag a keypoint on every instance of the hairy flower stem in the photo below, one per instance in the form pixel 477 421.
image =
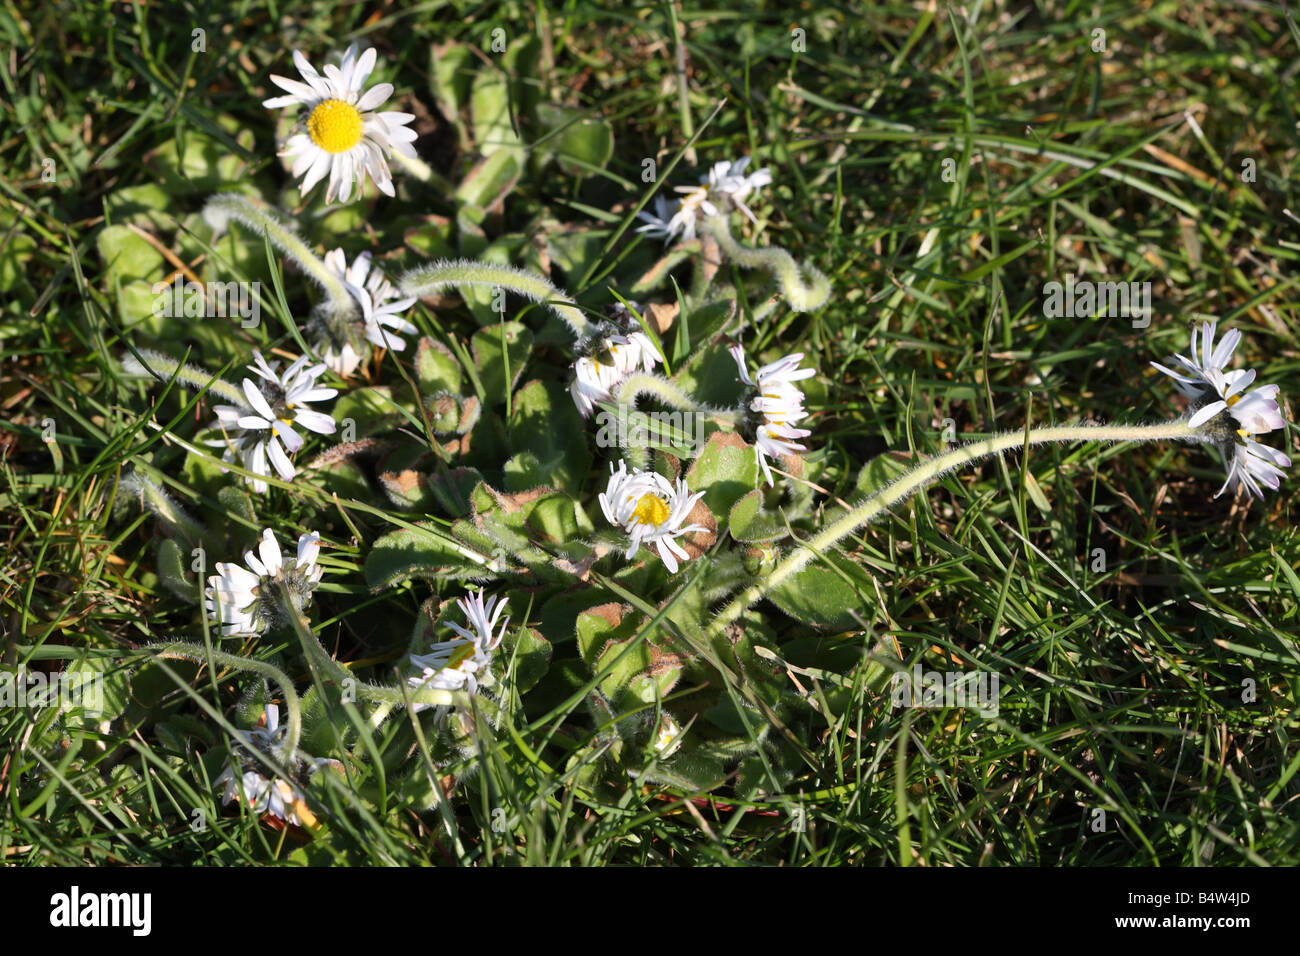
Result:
pixel 635 386
pixel 164 367
pixel 202 655
pixel 223 207
pixel 908 484
pixel 451 274
pixel 775 260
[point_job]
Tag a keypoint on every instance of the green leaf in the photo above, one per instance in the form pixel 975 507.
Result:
pixel 823 597
pixel 750 521
pixel 129 258
pixel 725 471
pixel 426 551
pixel 580 143
pixel 486 346
pixel 532 657
pixel 436 368
pixel 490 112
pixel 545 424
pixel 490 180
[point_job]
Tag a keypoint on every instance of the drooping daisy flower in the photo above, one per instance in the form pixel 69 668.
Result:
pixel 339 132
pixel 650 510
pixel 616 349
pixel 1251 464
pixel 263 794
pixel 240 598
pixel 461 663
pixel 724 186
pixel 381 310
pixel 775 407
pixel 262 430
pixel 1231 417
pixel 728 179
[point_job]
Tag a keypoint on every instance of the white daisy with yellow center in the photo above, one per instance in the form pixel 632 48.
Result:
pixel 263 794
pixel 381 310
pixel 613 359
pixel 462 662
pixel 239 598
pixel 775 408
pixel 340 132
pixel 650 510
pixel 260 432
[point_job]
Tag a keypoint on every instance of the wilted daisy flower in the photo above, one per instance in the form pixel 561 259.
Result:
pixel 650 510
pixel 1231 417
pixel 263 794
pixel 339 131
pixel 777 404
pixel 240 598
pixel 614 351
pixel 380 309
pixel 262 431
pixel 456 664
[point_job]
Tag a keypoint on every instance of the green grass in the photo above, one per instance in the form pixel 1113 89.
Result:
pixel 1122 683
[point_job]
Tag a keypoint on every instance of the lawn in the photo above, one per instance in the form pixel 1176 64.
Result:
pixel 669 435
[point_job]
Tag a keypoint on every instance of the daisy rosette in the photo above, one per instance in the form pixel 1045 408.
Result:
pixel 1231 417
pixel 381 309
pixel 243 777
pixel 462 662
pixel 261 433
pixel 777 403
pixel 651 510
pixel 242 599
pixel 616 349
pixel 341 130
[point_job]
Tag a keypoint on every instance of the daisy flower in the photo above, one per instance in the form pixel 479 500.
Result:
pixel 1194 378
pixel 455 664
pixel 775 407
pixel 339 131
pixel 262 430
pixel 381 309
pixel 650 510
pixel 238 598
pixel 728 179
pixel 664 222
pixel 1230 414
pixel 668 736
pixel 616 350
pixel 263 794
pixel 1251 464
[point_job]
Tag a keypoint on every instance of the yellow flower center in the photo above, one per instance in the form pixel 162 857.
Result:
pixel 335 126
pixel 651 510
pixel 460 655
pixel 1234 400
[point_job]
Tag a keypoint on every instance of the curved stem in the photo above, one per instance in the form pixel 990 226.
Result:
pixel 202 655
pixel 450 274
pixel 802 297
pixel 223 207
pixel 656 386
pixel 913 481
pixel 165 367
